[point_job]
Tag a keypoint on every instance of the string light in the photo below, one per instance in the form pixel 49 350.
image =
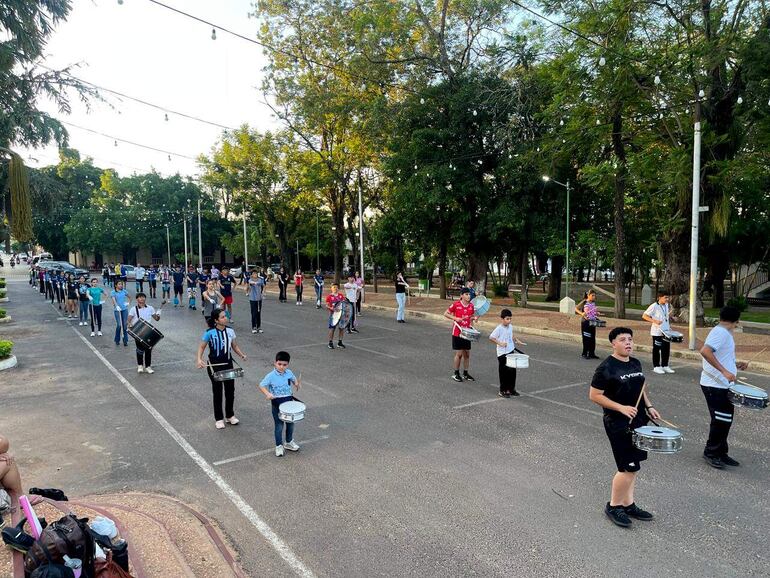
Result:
pixel 701 93
pixel 602 61
pixel 740 100
pixel 166 117
pixel 657 79
pixel 213 33
pixel 136 144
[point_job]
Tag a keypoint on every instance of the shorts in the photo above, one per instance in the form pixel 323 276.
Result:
pixel 228 300
pixel 177 289
pixel 628 458
pixel 460 344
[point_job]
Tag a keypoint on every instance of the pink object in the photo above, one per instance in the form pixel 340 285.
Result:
pixel 29 512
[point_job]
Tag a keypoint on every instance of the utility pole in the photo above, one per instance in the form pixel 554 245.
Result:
pixel 168 246
pixel 200 237
pixel 694 232
pixel 245 245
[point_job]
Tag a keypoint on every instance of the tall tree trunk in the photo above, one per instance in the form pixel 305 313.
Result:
pixel 554 287
pixel 718 266
pixel 619 211
pixel 442 258
pixel 676 269
pixel 524 263
pixel 477 267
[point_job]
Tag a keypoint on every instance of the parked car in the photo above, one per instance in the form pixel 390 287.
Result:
pixel 130 272
pixel 64 266
pixel 41 257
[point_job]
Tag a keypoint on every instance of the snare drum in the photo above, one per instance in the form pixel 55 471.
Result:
pixel 597 323
pixel 291 411
pixel 480 305
pixel 661 440
pixel 145 333
pixel 517 360
pixel 672 336
pixel 747 396
pixel 470 334
pixel 228 374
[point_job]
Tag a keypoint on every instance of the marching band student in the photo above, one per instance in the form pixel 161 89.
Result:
pixel 72 295
pixel 203 279
pixel 139 274
pixel 192 279
pixel 83 301
pixel 334 301
pixel 211 298
pixel 254 289
pixel 283 280
pixel 120 301
pixel 401 288
pixel 95 297
pixel 506 343
pixel 226 282
pixel 318 283
pixel 616 386
pixel 220 339
pixel 152 280
pixel 588 310
pixel 719 369
pixel 351 294
pixel 657 315
pixel 143 311
pixel 360 283
pixel 178 275
pixel 277 387
pixel 461 312
pixel 165 282
pixel 299 279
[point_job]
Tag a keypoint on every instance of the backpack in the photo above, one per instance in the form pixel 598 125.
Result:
pixel 109 569
pixel 51 569
pixel 68 536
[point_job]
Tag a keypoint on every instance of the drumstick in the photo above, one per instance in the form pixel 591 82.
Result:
pixel 636 406
pixel 753 357
pixel 668 423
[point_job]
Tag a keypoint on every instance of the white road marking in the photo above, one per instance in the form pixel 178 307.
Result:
pixel 275 541
pixel 326 342
pixel 372 351
pixel 274 324
pixel 380 327
pixel 557 387
pixel 561 403
pixel 546 362
pixel 490 400
pixel 154 365
pixel 319 388
pixel 265 452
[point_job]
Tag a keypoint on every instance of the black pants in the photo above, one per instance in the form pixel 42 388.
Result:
pixel 352 320
pixel 721 411
pixel 42 286
pixel 256 314
pixel 358 302
pixel 298 288
pixel 153 288
pixel 281 292
pixel 589 337
pixel 96 318
pixel 507 375
pixel 661 349
pixel 216 390
pixel 143 354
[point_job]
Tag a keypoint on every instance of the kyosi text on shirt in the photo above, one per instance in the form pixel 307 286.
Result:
pixel 630 375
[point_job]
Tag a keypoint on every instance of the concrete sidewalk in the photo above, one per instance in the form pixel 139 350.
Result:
pixel 556 325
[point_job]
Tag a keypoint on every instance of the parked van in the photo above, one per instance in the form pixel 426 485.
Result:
pixel 40 257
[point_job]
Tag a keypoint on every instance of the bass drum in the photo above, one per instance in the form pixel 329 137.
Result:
pixel 145 333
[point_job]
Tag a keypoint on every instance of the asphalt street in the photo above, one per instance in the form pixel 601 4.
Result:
pixel 402 471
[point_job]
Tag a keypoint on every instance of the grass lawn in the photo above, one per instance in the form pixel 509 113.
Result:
pixel 755 316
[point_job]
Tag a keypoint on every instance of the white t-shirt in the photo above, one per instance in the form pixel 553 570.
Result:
pixel 351 290
pixel 503 333
pixel 660 313
pixel 145 313
pixel 721 342
pixel 139 273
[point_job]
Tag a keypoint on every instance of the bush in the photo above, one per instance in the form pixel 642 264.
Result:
pixel 2 313
pixel 740 302
pixel 5 348
pixel 422 272
pixel 2 283
pixel 500 290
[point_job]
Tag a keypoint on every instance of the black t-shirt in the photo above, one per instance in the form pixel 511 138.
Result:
pixel 621 382
pixel 178 277
pixel 400 287
pixel 227 285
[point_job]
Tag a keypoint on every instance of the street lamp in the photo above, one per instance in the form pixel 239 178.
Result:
pixel 547 179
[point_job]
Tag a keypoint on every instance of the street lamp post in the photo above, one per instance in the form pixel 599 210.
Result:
pixel 200 238
pixel 168 246
pixel 317 243
pixel 245 245
pixel 546 178
pixel 361 233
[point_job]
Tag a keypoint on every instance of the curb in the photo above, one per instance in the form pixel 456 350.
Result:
pixel 8 362
pixel 691 355
pixel 4 300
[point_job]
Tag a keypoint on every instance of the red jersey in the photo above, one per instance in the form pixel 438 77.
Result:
pixel 298 280
pixel 332 300
pixel 458 309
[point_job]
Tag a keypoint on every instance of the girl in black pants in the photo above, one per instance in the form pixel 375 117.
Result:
pixel 588 310
pixel 221 342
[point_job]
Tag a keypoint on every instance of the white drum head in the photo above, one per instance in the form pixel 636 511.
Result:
pixel 292 407
pixel 654 431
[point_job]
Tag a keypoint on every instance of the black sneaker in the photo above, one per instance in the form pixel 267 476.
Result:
pixel 592 356
pixel 354 330
pixel 728 461
pixel 340 344
pixel 515 393
pixel 331 345
pixel 456 377
pixel 636 512
pixel 16 538
pixel 714 462
pixel 501 394
pixel 618 515
pixel 468 376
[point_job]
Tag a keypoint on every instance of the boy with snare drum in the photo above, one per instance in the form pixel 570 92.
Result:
pixel 277 387
pixel 461 313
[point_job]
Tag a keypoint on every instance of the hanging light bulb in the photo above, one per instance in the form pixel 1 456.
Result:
pixel 415 167
pixel 166 117
pixel 116 143
pixel 475 112
pixel 561 122
pixel 740 100
pixel 701 94
pixel 120 2
pixel 213 33
pixel 169 157
pixel 657 79
pixel 422 101
pixel 598 121
pixel 602 61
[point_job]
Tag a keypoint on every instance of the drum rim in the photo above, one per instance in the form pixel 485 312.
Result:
pixel 293 401
pixel 748 391
pixel 659 437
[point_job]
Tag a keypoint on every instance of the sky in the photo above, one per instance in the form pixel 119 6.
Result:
pixel 154 54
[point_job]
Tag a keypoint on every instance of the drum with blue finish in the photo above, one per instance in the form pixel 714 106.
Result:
pixel 480 305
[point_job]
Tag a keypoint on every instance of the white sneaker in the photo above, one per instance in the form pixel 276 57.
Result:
pixel 233 421
pixel 253 331
pixel 149 369
pixel 93 334
pixel 667 369
pixel 220 424
pixel 291 446
pixel 658 370
pixel 260 331
pixel 139 369
pixel 99 333
pixel 278 451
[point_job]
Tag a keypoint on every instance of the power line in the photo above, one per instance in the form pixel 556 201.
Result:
pixel 136 144
pixel 141 101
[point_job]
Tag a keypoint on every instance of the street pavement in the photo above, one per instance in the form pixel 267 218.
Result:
pixel 402 471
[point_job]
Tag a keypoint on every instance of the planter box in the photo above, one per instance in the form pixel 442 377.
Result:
pixel 8 362
pixel 6 319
